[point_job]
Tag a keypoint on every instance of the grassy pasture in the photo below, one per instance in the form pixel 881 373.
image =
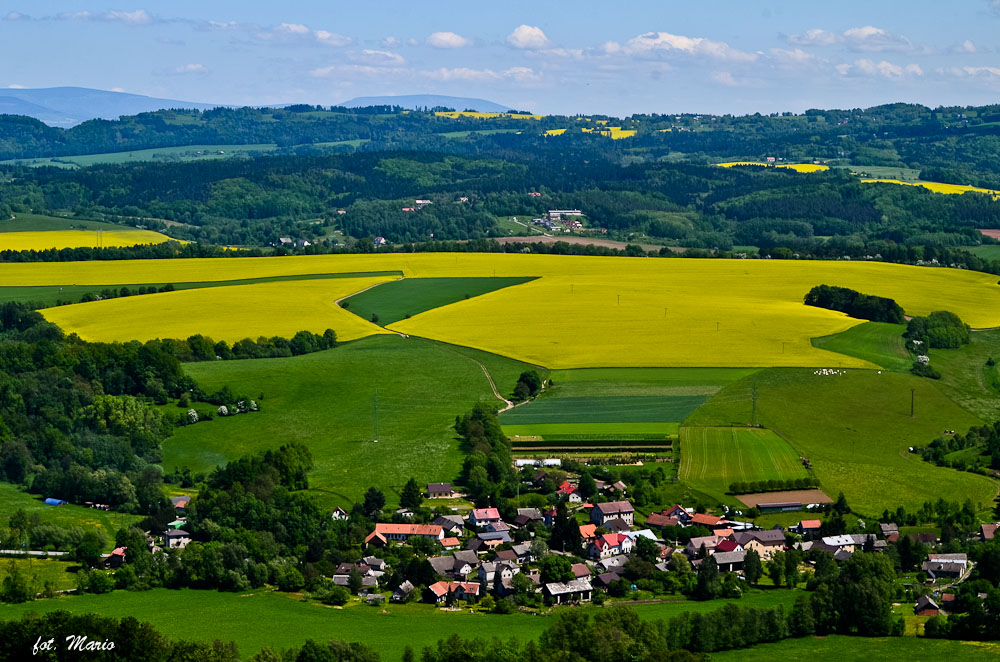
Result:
pixel 713 458
pixel 863 649
pixel 876 342
pixel 987 251
pixel 965 377
pixel 49 295
pixel 403 298
pixel 223 313
pixel 579 312
pixel 209 615
pixel 326 401
pixel 855 428
pixel 13 499
pixel 62 574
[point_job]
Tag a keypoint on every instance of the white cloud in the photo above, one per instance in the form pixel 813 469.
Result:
pixel 815 37
pixel 653 43
pixel 137 17
pixel 16 16
pixel 522 75
pixel 611 47
pixel 989 73
pixel 447 40
pixel 383 58
pixel 223 25
pixel 331 38
pixel 724 78
pixel 390 42
pixel 866 38
pixel 75 16
pixel 339 70
pixel 462 73
pixel 117 89
pixel 966 47
pixel 292 28
pixel 883 69
pixel 190 69
pixel 15 86
pixel 794 56
pixel 528 37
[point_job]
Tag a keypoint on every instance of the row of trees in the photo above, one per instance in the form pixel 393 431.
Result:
pixel 855 304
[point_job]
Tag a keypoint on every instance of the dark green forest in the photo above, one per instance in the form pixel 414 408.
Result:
pixel 657 187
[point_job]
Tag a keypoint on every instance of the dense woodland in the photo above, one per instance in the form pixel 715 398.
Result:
pixel 256 202
pixel 658 185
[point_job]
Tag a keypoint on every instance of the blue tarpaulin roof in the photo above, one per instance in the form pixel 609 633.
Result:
pixel 54 502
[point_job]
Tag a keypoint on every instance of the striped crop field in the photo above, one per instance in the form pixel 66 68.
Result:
pixel 714 458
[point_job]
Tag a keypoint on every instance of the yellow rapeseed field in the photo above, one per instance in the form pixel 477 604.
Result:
pixel 950 189
pixel 42 240
pixel 581 311
pixel 223 313
pixel 798 167
pixel 555 132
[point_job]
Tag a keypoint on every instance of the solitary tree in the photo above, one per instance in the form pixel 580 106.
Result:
pixel 411 496
pixel 374 502
pixel 752 568
pixel 709 583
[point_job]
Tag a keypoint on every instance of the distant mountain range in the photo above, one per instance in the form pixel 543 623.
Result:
pixel 68 106
pixel 414 101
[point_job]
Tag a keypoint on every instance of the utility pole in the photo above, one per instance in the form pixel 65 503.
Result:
pixel 753 418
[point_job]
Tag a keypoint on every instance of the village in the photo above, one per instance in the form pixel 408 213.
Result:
pixel 481 557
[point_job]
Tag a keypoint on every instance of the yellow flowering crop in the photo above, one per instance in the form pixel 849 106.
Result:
pixel 951 189
pixel 42 240
pixel 223 313
pixel 580 311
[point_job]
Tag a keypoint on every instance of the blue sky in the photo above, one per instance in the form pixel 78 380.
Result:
pixel 550 57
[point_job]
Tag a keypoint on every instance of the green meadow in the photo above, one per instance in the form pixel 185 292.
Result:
pixel 877 342
pixel 13 499
pixel 62 574
pixel 281 620
pixel 856 428
pixel 327 401
pixel 863 649
pixel 40 223
pixel 407 297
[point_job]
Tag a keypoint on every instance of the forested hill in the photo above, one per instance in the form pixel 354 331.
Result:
pixel 255 202
pixel 956 144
